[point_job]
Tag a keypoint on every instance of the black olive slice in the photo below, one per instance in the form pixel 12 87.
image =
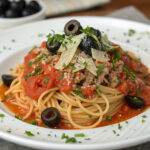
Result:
pixel 134 101
pixel 7 79
pixel 87 44
pixel 53 47
pixel 51 117
pixel 73 27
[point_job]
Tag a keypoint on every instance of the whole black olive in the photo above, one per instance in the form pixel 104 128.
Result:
pixel 7 79
pixel 12 14
pixel 34 6
pixel 73 27
pixel 4 5
pixel 134 101
pixel 18 5
pixel 53 47
pixel 87 44
pixel 51 117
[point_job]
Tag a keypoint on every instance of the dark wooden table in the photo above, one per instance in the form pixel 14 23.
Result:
pixel 142 5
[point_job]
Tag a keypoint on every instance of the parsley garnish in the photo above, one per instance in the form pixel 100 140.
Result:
pixel 2 116
pixel 18 117
pixel 100 69
pixel 88 31
pixel 29 133
pixel 78 92
pixel 52 39
pixel 46 80
pixel 109 118
pixel 119 126
pixel 38 70
pixel 64 136
pixel 71 140
pixel 34 122
pixel 79 135
pixel 131 32
pixel 129 73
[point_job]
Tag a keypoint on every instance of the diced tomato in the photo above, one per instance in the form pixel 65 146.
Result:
pixel 122 76
pixel 132 88
pixel 123 87
pixel 145 94
pixel 88 91
pixel 65 85
pixel 36 85
pixel 28 57
pixel 43 44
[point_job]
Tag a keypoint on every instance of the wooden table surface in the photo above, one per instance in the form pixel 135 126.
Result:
pixel 142 5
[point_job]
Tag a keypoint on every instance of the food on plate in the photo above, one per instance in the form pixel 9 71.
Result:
pixel 77 80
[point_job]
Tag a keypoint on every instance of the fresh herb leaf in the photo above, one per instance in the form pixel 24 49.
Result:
pixel 2 116
pixel 100 69
pixel 29 133
pixel 18 117
pixel 131 32
pixel 144 116
pixel 52 39
pixel 79 135
pixel 46 80
pixel 119 126
pixel 114 131
pixel 78 92
pixel 34 122
pixel 64 136
pixel 71 140
pixel 129 73
pixel 72 66
pixel 109 118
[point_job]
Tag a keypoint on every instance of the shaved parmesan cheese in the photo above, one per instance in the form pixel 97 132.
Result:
pixel 80 64
pixel 85 62
pixel 69 41
pixel 100 55
pixel 90 65
pixel 68 51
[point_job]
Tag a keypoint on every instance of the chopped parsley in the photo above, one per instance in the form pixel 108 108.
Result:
pixel 100 69
pixel 131 32
pixel 37 59
pixel 88 31
pixel 38 70
pixel 52 39
pixel 46 80
pixel 64 136
pixel 71 140
pixel 72 66
pixel 78 92
pixel 109 118
pixel 119 126
pixel 18 117
pixel 144 116
pixel 129 73
pixel 34 122
pixel 2 116
pixel 114 131
pixel 29 133
pixel 79 135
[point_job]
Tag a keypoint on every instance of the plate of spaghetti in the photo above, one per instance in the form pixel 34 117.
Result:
pixel 71 81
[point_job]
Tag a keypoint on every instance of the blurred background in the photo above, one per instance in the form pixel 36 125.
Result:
pixel 16 12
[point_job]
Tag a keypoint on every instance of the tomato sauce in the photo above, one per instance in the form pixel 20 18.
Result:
pixel 123 114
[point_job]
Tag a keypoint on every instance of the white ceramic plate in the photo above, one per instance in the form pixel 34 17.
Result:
pixel 14 43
